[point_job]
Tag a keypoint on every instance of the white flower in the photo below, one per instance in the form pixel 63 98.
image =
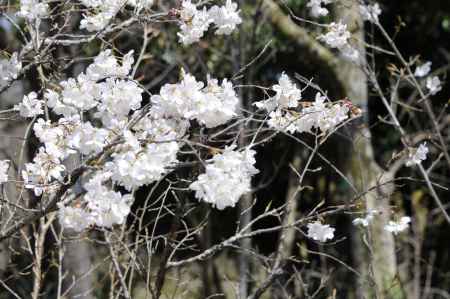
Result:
pixel 194 23
pixel 370 12
pixel 226 18
pixel 104 12
pixel 338 37
pixel 217 105
pixel 141 4
pixel 423 69
pixel 320 115
pixel 30 106
pixel 418 155
pixel 434 85
pixel 88 139
pixel 212 105
pixel 42 171
pixel 106 65
pixel 117 99
pixel 74 218
pixel 399 226
pixel 287 95
pixel 33 9
pixel 9 69
pixel 108 207
pixel 139 166
pixel 80 93
pixel 316 7
pixel 54 102
pixel 4 166
pixel 227 177
pixel 320 232
pixel 177 100
pixel 366 220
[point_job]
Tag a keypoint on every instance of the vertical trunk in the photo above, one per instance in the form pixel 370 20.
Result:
pixel 365 171
pixel 77 260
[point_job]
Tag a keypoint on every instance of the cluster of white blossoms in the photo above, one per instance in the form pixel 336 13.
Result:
pixel 30 105
pixel 423 69
pixel 102 12
pixel 320 232
pixel 195 22
pixel 317 10
pixel 4 167
pixel 370 12
pixel 100 206
pixel 366 220
pixel 33 9
pixel 9 69
pixel 211 105
pixel 144 143
pixel 396 227
pixel 112 101
pixel 227 177
pixel 433 84
pixel 338 37
pixel 417 155
pixel 317 115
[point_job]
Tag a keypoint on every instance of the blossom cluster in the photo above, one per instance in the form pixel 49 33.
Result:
pixel 194 22
pixel 4 166
pixel 9 69
pixel 145 143
pixel 227 177
pixel 317 10
pixel 102 12
pixel 366 220
pixel 320 232
pixel 417 155
pixel 370 12
pixel 396 227
pixel 211 105
pixel 33 9
pixel 432 83
pixel 338 37
pixel 284 104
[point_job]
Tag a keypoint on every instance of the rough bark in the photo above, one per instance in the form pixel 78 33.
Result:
pixel 364 170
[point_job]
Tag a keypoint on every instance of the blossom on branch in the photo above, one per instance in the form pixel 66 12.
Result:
pixel 320 232
pixel 338 37
pixel 396 227
pixel 4 167
pixel 227 177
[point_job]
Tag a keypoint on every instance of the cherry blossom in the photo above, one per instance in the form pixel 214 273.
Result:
pixel 194 23
pixel 423 69
pixel 33 9
pixel 4 167
pixel 9 69
pixel 30 106
pixel 226 17
pixel 316 7
pixel 366 220
pixel 227 177
pixel 416 156
pixel 370 12
pixel 338 37
pixel 396 227
pixel 434 85
pixel 320 232
pixel 212 105
pixel 287 95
